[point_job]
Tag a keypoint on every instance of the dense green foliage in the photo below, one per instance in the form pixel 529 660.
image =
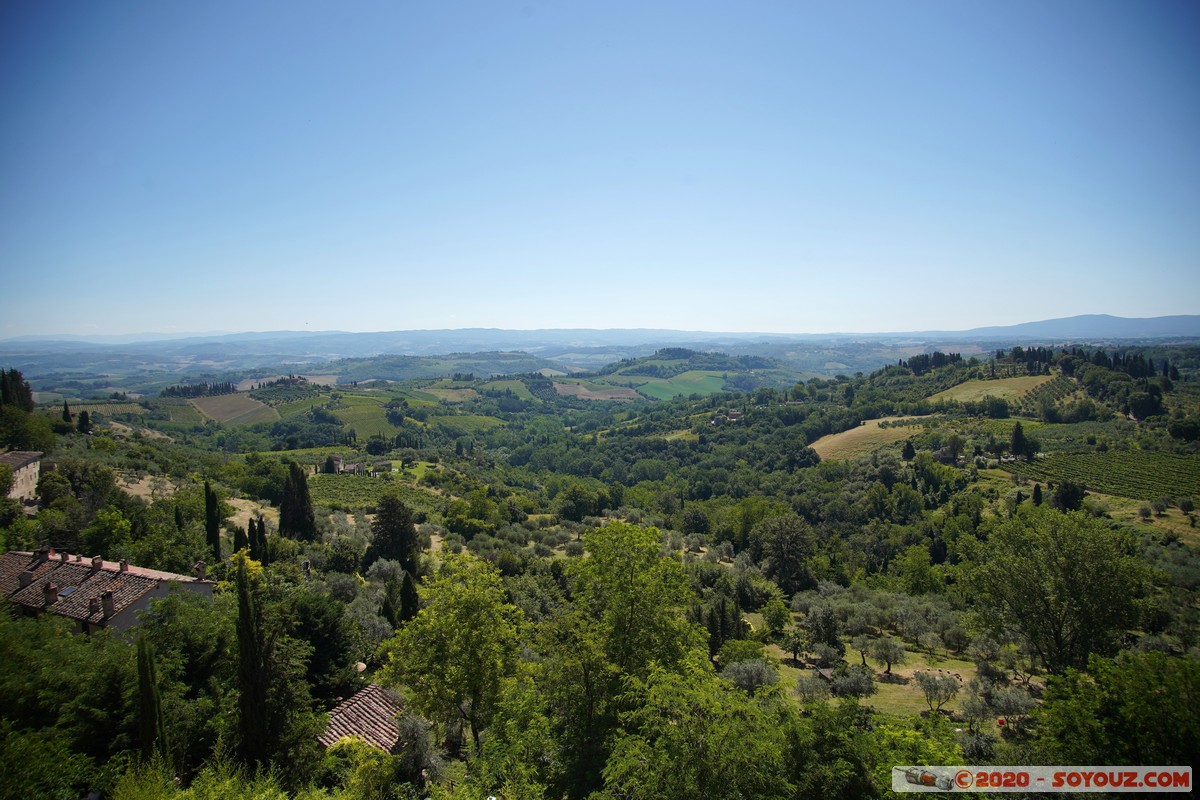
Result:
pixel 592 598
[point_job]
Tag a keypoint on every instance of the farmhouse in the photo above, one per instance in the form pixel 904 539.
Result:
pixel 369 715
pixel 93 592
pixel 26 467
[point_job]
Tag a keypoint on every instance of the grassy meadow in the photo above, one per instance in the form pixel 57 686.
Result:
pixel 1001 388
pixel 861 441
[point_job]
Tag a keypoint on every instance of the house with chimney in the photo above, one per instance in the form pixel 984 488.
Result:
pixel 91 592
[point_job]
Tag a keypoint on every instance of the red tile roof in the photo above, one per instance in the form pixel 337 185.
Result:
pixel 78 582
pixel 369 715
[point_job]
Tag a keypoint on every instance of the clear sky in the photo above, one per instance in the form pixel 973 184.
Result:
pixel 174 165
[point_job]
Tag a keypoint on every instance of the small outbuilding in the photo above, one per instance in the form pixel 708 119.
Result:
pixel 371 715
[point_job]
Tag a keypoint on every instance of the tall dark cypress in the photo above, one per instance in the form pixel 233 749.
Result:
pixel 258 540
pixel 253 675
pixel 66 412
pixel 296 518
pixel 240 541
pixel 410 602
pixel 212 522
pixel 152 725
pixel 395 535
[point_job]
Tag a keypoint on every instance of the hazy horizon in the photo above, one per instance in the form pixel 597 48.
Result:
pixel 777 168
pixel 148 336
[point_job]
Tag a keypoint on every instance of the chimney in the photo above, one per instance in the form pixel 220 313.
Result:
pixel 42 555
pixel 200 568
pixel 97 563
pixel 50 593
pixel 78 558
pixel 110 607
pixel 94 606
pixel 124 565
pixel 25 578
pixel 64 557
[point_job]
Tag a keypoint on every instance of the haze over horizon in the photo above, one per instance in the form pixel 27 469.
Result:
pixel 775 168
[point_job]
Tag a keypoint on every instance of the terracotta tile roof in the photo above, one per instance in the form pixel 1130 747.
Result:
pixel 369 715
pixel 79 581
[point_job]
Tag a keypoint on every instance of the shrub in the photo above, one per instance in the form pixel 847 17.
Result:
pixel 853 681
pixel 751 675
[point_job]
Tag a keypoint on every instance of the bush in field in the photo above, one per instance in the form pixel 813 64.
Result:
pixel 751 675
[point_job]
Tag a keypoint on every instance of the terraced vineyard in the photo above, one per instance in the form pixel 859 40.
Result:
pixel 1134 473
pixel 107 409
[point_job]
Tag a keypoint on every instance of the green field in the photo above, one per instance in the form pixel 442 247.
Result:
pixel 310 455
pixel 694 381
pixel 902 698
pixel 362 491
pixel 594 390
pixel 295 407
pixel 366 415
pixel 451 394
pixel 1134 473
pixel 463 424
pixel 863 440
pixel 1002 388
pixel 518 388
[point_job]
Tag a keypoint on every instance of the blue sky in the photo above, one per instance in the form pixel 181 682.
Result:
pixel 756 166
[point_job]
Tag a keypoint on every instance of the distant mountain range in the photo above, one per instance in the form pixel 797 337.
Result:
pixel 100 364
pixel 1095 327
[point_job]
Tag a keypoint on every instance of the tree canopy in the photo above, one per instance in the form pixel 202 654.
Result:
pixel 1067 583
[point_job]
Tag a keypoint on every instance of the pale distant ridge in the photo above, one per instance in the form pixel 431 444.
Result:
pixel 1081 327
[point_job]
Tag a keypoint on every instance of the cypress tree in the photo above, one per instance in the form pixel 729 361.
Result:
pixel 212 522
pixel 258 540
pixel 296 518
pixel 410 602
pixel 66 412
pixel 240 541
pixel 252 672
pixel 1037 494
pixel 390 609
pixel 152 726
pixel 178 518
pixel 84 423
pixel 395 536
pixel 1018 445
